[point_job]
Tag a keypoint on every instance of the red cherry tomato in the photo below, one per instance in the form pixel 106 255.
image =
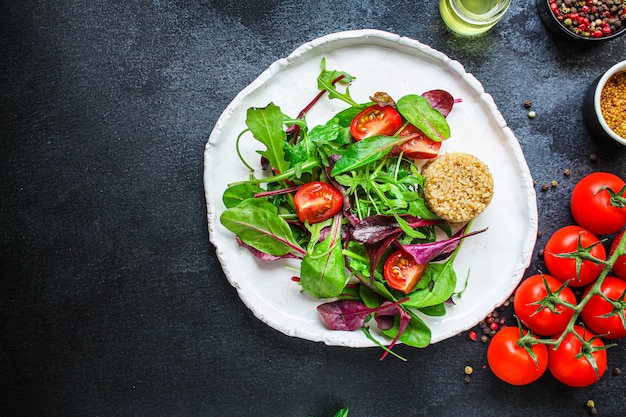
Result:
pixel 420 147
pixel 566 240
pixel 540 314
pixel 610 327
pixel 619 267
pixel 511 362
pixel 402 272
pixel 376 120
pixel 596 208
pixel 317 201
pixel 570 367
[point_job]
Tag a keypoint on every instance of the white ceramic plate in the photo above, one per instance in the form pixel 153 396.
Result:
pixel 380 61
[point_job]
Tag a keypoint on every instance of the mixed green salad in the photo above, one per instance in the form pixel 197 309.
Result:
pixel 346 198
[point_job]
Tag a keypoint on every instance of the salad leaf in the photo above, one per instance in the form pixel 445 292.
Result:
pixel 237 193
pixel 327 80
pixel 418 111
pixel 323 272
pixel 266 125
pixel 425 252
pixel 441 281
pixel 364 152
pixel 416 333
pixel 440 100
pixel 257 224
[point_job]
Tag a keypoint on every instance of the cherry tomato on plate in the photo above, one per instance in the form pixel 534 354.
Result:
pixel 619 267
pixel 566 240
pixel 597 313
pixel 376 120
pixel 575 363
pixel 542 313
pixel 402 272
pixel 598 203
pixel 317 201
pixel 420 147
pixel 512 363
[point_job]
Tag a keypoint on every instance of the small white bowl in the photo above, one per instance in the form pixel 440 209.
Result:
pixel 591 106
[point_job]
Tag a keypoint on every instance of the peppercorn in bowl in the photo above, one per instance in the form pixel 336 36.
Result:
pixel 584 21
pixel 604 105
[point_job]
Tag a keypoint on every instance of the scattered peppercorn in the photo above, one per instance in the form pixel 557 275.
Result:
pixel 613 103
pixel 593 157
pixel 545 187
pixel 591 405
pixel 528 104
pixel 554 183
pixel 540 253
pixel 484 338
pixel 567 172
pixel 539 233
pixel 617 371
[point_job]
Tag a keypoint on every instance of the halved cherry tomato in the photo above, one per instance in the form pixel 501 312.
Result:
pixel 421 147
pixel 376 120
pixel 402 272
pixel 566 241
pixel 317 201
pixel 619 267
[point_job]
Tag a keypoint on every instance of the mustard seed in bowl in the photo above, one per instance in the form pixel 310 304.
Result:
pixel 613 103
pixel 458 186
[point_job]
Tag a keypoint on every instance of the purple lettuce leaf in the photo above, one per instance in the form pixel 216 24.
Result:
pixel 385 319
pixel 425 252
pixel 375 228
pixel 377 232
pixel 440 100
pixel 351 314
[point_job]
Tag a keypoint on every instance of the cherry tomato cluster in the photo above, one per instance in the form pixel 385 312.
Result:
pixel 556 330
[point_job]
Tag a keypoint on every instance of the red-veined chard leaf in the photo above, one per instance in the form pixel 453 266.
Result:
pixel 418 111
pixel 256 223
pixel 425 252
pixel 378 231
pixel 351 314
pixel 414 333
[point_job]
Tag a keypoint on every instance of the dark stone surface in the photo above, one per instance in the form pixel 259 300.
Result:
pixel 113 302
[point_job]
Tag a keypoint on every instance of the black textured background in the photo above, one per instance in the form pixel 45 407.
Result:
pixel 112 300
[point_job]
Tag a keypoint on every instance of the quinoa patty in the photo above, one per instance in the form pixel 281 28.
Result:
pixel 458 186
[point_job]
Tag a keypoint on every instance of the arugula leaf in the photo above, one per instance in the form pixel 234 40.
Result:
pixel 266 125
pixel 257 224
pixel 326 80
pixel 418 111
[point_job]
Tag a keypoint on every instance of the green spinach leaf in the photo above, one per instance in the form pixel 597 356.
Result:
pixel 257 224
pixel 418 111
